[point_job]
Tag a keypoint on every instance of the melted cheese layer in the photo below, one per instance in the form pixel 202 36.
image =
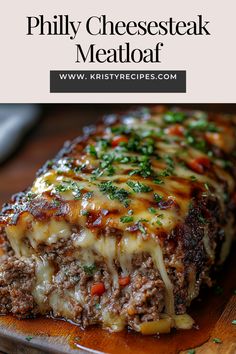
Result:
pixel 67 202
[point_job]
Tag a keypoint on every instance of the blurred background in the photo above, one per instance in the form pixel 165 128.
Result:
pixel 32 134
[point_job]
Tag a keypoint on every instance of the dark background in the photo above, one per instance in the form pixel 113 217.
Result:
pixel 57 124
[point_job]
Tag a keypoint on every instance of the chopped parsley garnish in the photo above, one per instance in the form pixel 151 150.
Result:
pixel 98 306
pixel 139 187
pixel 61 188
pixel 84 212
pixel 77 339
pixel 143 220
pixel 88 195
pixel 169 161
pixel 190 139
pixel 114 192
pixel 56 203
pixel 89 269
pixel 69 185
pixel 103 144
pixel 105 166
pixel 126 219
pixel 193 178
pixel 50 163
pixel 30 196
pixel 141 226
pixel 191 351
pixel 216 340
pixel 138 143
pixel 174 117
pixel 203 125
pixel 152 210
pixel 158 181
pixel 107 160
pixel 210 153
pixel 148 147
pixel 91 150
pixel 157 197
pixel 159 222
pixel 195 142
pixel 144 167
pixel 28 338
pixel 96 173
pixel 227 164
pixel 166 172
pixel 234 322
pixel 201 219
pixel 110 170
pixel 120 129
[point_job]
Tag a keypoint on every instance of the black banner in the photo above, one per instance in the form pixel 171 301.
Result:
pixel 117 81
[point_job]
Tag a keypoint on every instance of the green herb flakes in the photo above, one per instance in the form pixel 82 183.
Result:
pixel 157 197
pixel 174 117
pixel 69 185
pixel 84 212
pixel 91 150
pixel 89 269
pixel 152 210
pixel 201 219
pixel 114 192
pixel 158 181
pixel 139 187
pixel 159 223
pixel 191 351
pixel 141 227
pixel 29 338
pixel 126 219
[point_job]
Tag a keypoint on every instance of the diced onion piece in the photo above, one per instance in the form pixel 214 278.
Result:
pixel 112 322
pixel 183 321
pixel 161 326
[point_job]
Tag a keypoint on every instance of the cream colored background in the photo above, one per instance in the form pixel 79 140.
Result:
pixel 25 61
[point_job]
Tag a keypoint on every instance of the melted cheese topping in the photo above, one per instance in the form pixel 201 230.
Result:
pixel 140 188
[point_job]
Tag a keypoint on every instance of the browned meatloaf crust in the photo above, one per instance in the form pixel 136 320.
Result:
pixel 125 224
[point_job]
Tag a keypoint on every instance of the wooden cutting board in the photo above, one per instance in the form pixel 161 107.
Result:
pixel 213 312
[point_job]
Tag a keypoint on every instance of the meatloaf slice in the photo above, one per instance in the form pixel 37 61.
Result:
pixel 125 224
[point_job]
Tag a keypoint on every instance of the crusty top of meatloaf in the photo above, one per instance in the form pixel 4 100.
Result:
pixel 137 172
pixel 125 185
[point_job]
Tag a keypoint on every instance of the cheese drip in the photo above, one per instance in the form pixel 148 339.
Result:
pixel 110 249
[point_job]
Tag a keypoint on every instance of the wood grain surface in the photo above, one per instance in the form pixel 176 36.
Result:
pixel 214 311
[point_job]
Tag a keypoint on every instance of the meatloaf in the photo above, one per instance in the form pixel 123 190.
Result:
pixel 125 224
